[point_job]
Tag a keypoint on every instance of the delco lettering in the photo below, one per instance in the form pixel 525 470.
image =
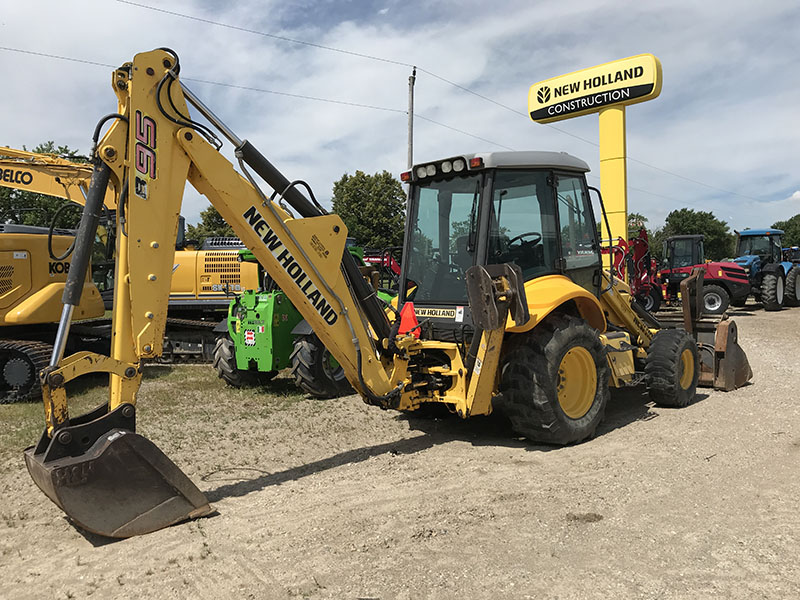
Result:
pixel 290 265
pixel 56 268
pixel 15 176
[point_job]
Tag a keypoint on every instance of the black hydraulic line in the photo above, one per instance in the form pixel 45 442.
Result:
pixel 51 231
pixel 84 240
pixel 365 295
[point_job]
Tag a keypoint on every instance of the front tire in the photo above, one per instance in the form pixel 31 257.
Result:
pixel 793 286
pixel 554 382
pixel 225 364
pixel 315 371
pixel 772 288
pixel 716 299
pixel 672 368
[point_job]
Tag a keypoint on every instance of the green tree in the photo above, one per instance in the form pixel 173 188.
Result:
pixel 719 241
pixel 211 225
pixel 372 207
pixel 635 222
pixel 791 228
pixel 27 208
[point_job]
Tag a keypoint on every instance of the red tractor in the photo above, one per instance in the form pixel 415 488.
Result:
pixel 724 282
pixel 634 258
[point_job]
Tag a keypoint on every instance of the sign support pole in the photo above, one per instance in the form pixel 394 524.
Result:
pixel 613 171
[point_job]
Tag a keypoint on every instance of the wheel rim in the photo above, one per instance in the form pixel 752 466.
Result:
pixel 712 301
pixel 779 291
pixel 577 382
pixel 648 303
pixel 797 287
pixel 687 369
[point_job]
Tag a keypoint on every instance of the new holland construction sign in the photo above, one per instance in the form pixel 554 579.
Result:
pixel 621 82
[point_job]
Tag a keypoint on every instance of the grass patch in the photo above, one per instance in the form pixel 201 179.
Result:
pixel 172 398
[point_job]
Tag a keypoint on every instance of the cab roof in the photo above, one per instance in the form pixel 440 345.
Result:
pixel 753 232
pixel 520 159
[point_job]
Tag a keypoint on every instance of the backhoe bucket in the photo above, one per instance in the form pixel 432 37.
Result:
pixel 122 486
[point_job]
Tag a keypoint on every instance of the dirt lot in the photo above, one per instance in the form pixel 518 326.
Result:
pixel 337 499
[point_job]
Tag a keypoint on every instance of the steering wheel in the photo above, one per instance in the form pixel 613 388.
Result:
pixel 534 234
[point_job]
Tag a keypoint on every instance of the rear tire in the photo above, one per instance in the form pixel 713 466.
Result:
pixel 672 368
pixel 739 302
pixel 20 363
pixel 716 299
pixel 225 364
pixel 315 371
pixel 793 286
pixel 554 382
pixel 772 291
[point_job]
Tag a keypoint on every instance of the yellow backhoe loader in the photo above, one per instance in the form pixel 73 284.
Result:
pixel 503 300
pixel 34 262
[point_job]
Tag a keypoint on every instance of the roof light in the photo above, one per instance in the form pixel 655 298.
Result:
pixel 447 166
pixel 475 163
pixel 458 165
pixel 405 177
pixel 430 169
pixel 421 172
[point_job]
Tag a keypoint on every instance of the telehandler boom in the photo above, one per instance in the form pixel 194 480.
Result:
pixel 500 259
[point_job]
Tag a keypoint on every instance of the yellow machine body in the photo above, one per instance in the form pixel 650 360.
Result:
pixel 31 283
pixel 157 150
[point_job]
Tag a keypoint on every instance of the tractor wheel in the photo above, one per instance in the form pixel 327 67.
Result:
pixel 225 364
pixel 793 286
pixel 772 287
pixel 672 368
pixel 652 302
pixel 739 302
pixel 554 382
pixel 315 371
pixel 20 363
pixel 715 299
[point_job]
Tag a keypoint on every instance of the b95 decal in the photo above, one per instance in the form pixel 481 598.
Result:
pixel 144 152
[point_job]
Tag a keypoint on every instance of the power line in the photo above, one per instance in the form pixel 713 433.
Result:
pixel 266 91
pixel 431 74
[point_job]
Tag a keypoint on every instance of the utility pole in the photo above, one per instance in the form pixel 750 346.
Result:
pixel 411 81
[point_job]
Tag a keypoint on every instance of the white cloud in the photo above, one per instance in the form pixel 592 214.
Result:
pixel 726 117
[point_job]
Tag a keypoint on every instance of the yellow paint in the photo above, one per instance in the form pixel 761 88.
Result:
pixel 547 293
pixel 621 362
pixel 577 382
pixel 687 369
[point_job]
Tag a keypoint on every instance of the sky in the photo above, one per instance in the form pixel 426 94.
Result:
pixel 723 136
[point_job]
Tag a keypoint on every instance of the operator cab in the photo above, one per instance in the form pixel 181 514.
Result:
pixel 764 243
pixel 528 208
pixel 684 251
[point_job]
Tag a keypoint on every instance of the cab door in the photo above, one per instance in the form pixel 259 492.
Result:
pixel 580 255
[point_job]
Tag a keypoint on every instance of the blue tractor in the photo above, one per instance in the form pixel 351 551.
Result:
pixel 774 280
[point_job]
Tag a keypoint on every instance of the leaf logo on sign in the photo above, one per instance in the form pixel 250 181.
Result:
pixel 543 95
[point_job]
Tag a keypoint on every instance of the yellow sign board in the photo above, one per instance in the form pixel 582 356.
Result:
pixel 621 82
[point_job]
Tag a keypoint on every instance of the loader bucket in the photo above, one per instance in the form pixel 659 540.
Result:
pixel 122 486
pixel 724 365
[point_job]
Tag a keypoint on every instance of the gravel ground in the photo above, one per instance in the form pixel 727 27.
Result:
pixel 336 499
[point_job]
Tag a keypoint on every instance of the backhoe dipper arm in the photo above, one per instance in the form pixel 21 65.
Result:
pixel 106 477
pixel 152 155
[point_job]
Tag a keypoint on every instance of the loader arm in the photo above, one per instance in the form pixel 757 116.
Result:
pixel 49 175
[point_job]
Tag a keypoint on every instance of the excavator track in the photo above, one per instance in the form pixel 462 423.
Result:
pixel 20 363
